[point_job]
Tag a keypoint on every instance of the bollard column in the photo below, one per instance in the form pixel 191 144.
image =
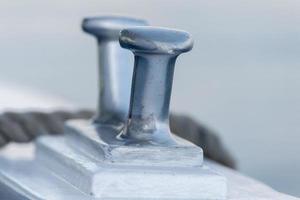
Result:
pixel 155 52
pixel 115 67
pixel 144 161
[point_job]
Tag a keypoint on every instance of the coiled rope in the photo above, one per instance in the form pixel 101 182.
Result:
pixel 26 126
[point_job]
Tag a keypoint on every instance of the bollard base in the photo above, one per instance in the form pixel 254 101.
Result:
pixel 104 168
pixel 64 165
pixel 114 181
pixel 102 144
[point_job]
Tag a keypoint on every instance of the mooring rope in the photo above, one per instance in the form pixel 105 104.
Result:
pixel 26 126
pixel 23 127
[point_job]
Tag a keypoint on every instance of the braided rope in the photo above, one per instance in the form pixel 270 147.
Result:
pixel 24 127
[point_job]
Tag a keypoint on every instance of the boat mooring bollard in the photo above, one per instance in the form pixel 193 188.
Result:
pixel 128 152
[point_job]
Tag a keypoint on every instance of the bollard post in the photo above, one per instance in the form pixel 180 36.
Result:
pixel 155 51
pixel 115 67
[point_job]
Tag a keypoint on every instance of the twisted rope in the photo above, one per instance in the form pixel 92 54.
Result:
pixel 24 127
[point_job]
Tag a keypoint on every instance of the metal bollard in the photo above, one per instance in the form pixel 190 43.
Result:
pixel 115 68
pixel 155 51
pixel 144 161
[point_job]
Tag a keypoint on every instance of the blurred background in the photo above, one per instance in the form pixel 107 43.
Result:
pixel 242 78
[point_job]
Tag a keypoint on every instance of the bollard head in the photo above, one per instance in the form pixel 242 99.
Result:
pixel 155 40
pixel 109 27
